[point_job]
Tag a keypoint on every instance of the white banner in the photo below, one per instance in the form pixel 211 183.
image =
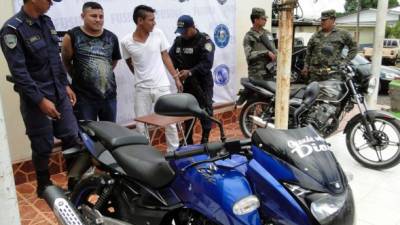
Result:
pixel 214 17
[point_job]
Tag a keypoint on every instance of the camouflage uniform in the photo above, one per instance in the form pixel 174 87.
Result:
pixel 319 62
pixel 256 47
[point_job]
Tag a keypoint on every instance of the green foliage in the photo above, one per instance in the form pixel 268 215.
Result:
pixel 351 5
pixel 393 32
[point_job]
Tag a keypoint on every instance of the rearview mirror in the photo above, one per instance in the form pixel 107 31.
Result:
pixel 181 104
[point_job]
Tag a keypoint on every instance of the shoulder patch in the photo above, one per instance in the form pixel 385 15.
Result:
pixel 208 46
pixel 10 40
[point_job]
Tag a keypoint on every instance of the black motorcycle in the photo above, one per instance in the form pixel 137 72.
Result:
pixel 372 137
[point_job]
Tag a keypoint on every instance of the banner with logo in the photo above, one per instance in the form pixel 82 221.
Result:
pixel 214 17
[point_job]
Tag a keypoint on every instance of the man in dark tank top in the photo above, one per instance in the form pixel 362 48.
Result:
pixel 90 53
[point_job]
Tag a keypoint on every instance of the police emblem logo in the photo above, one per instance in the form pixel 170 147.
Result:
pixel 10 40
pixel 221 36
pixel 222 1
pixel 221 75
pixel 208 47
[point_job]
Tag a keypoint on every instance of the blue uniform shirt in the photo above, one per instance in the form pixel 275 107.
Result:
pixel 32 52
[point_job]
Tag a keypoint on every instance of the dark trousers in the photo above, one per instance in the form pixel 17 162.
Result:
pixel 204 97
pixel 102 109
pixel 41 131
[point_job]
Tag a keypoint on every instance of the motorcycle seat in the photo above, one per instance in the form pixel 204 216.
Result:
pixel 145 164
pixel 270 86
pixel 112 135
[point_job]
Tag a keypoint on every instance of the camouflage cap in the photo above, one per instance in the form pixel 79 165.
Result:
pixel 328 14
pixel 258 12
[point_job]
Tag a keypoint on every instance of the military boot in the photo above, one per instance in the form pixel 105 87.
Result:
pixel 43 181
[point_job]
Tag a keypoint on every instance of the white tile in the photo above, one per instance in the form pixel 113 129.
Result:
pixel 362 222
pixel 376 193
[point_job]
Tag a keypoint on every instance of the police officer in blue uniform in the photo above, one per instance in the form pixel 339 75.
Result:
pixel 193 54
pixel 30 45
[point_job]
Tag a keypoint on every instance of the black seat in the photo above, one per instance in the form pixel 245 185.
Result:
pixel 145 164
pixel 112 135
pixel 271 86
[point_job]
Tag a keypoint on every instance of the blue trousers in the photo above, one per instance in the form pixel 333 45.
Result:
pixel 102 109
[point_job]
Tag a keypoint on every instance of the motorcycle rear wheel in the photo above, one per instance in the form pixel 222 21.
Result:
pixel 382 155
pixel 88 191
pixel 257 108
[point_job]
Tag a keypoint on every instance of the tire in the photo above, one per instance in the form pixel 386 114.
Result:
pixel 255 107
pixel 383 155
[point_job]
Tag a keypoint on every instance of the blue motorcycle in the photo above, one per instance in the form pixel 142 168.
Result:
pixel 277 177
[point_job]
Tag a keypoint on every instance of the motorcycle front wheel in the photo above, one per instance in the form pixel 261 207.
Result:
pixel 255 114
pixel 383 154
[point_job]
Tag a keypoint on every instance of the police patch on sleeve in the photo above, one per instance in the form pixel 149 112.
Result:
pixel 208 47
pixel 10 40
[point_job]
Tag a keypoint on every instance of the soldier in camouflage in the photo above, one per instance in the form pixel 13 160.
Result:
pixel 324 49
pixel 259 47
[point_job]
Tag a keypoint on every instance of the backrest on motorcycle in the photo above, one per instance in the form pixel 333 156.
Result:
pixel 112 135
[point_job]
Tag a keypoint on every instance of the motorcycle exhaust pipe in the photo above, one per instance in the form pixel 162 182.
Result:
pixel 63 209
pixel 259 122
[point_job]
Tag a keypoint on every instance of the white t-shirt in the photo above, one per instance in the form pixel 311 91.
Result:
pixel 146 58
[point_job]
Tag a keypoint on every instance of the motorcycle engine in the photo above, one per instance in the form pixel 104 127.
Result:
pixel 320 114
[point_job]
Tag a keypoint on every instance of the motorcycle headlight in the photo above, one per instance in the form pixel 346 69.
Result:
pixel 246 205
pixel 327 207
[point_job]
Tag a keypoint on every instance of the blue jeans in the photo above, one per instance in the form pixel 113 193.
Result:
pixel 103 110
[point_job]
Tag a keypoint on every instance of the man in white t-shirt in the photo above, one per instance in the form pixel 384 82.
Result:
pixel 145 52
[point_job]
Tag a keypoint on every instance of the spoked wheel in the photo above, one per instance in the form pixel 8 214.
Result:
pixel 255 114
pixel 384 153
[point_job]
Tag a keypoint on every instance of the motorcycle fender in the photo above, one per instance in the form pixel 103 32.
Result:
pixel 372 114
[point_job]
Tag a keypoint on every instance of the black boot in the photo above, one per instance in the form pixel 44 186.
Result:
pixel 43 181
pixel 204 136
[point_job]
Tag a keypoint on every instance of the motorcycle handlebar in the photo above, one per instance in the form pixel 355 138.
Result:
pixel 206 148
pixel 209 148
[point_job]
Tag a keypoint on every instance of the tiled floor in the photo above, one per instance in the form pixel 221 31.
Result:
pixel 34 211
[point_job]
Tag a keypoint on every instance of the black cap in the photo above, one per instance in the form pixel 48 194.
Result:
pixel 184 22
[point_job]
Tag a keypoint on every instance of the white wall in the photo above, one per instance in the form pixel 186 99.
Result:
pixel 19 144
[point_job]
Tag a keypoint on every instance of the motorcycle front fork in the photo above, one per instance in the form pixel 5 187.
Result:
pixel 365 118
